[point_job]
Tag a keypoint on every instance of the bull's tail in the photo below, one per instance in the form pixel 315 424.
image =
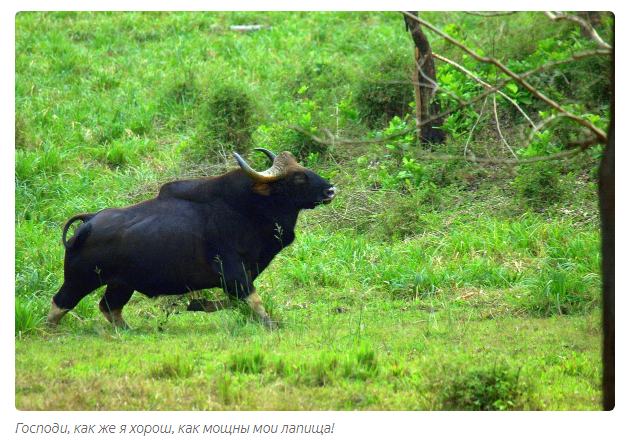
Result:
pixel 82 235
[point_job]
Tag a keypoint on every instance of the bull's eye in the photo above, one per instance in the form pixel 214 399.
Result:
pixel 300 178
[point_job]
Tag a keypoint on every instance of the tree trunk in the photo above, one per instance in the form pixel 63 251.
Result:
pixel 425 107
pixel 606 208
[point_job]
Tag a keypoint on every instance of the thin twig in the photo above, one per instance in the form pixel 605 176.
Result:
pixel 601 135
pixel 581 22
pixel 475 78
pixel 434 84
pixel 583 145
pixel 498 127
pixel 544 123
pixel 413 82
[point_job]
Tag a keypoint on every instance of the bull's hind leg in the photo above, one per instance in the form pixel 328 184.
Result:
pixel 112 303
pixel 66 299
pixel 255 302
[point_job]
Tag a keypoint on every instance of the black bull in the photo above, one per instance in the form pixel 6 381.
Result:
pixel 218 231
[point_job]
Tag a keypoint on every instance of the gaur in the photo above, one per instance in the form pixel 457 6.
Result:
pixel 220 231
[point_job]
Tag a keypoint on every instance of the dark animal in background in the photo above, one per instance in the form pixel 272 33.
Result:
pixel 220 231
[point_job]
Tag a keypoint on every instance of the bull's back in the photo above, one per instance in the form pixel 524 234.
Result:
pixel 155 247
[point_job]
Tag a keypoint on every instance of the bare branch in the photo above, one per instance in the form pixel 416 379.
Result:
pixel 575 57
pixel 601 135
pixel 544 123
pixel 581 22
pixel 491 14
pixel 470 74
pixel 582 147
pixel 435 86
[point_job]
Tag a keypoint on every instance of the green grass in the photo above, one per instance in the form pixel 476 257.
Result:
pixel 472 288
pixel 409 360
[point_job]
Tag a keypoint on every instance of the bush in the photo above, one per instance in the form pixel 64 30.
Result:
pixel 379 102
pixel 539 184
pixel 304 114
pixel 225 118
pixel 494 389
pixel 410 215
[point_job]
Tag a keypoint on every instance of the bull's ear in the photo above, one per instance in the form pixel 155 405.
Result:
pixel 262 189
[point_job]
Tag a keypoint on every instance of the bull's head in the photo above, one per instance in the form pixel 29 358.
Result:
pixel 289 179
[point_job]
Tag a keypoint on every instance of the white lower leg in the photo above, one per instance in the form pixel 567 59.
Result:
pixel 118 321
pixel 114 317
pixel 55 314
pixel 255 302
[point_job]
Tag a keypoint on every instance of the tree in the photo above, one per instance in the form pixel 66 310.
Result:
pixel 606 206
pixel 425 85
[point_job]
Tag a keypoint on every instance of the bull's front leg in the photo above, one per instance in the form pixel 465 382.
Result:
pixel 239 284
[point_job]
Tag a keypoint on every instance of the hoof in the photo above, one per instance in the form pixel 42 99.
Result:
pixel 118 321
pixel 122 326
pixel 272 325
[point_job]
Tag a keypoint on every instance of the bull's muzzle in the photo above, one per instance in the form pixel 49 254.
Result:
pixel 330 193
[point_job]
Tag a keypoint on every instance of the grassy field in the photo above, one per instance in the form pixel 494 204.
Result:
pixel 442 286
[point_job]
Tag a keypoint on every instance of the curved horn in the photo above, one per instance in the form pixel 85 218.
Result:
pixel 268 153
pixel 275 172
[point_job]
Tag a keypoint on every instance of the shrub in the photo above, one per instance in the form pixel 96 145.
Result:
pixel 410 215
pixel 299 144
pixel 305 115
pixel 492 389
pixel 539 184
pixel 226 117
pixel 379 101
